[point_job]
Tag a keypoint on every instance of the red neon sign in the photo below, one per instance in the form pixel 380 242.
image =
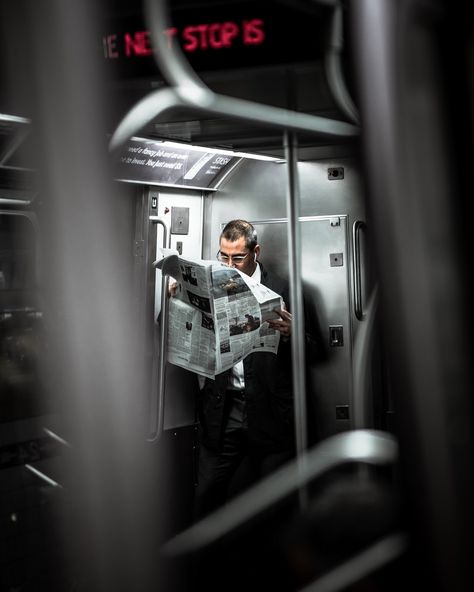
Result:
pixel 213 36
pixel 138 44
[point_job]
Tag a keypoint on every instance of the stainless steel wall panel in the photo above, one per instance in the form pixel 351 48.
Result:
pixel 256 190
pixel 322 196
pixel 329 208
pixel 327 294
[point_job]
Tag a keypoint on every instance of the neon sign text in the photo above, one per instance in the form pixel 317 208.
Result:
pixel 201 37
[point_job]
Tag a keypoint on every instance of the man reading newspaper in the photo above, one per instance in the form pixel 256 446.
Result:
pixel 229 322
pixel 234 330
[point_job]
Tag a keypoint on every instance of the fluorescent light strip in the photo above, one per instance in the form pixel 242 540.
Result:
pixel 206 149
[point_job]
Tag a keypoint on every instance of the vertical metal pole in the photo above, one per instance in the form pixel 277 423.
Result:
pixel 160 345
pixel 402 64
pixel 92 363
pixel 296 296
pixel 158 385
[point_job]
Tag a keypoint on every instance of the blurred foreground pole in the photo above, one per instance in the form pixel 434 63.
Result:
pixel 92 364
pixel 409 55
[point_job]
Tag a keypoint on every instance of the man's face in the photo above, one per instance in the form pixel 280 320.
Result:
pixel 246 260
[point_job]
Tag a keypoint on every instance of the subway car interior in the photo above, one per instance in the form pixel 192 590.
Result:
pixel 342 130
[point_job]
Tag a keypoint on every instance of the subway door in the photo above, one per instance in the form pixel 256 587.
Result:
pixel 172 448
pixel 164 219
pixel 182 213
pixel 326 287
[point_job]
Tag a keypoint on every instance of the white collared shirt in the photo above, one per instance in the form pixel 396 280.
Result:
pixel 236 377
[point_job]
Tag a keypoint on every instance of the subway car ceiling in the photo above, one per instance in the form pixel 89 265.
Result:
pixel 273 53
pixel 278 55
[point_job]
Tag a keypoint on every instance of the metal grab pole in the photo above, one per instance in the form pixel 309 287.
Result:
pixel 333 66
pixel 297 310
pixel 160 343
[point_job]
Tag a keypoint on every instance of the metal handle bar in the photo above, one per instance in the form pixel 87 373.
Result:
pixel 365 337
pixel 160 343
pixel 160 101
pixel 333 67
pixel 356 229
pixel 188 90
pixel 296 297
pixel 358 446
pixel 161 222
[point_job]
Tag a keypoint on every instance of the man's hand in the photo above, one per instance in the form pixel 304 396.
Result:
pixel 283 324
pixel 172 288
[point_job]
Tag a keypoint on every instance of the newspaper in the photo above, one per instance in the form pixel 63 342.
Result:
pixel 217 316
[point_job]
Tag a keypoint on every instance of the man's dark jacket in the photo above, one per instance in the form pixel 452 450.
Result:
pixel 268 391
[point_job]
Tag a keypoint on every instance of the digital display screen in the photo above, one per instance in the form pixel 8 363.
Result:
pixel 235 35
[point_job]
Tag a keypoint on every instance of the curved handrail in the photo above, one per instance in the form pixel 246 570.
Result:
pixel 188 90
pixel 168 56
pixel 360 446
pixel 161 100
pixel 333 67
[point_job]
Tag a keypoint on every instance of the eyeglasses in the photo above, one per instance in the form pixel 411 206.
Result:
pixel 235 259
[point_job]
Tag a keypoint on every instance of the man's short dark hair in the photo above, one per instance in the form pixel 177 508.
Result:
pixel 235 229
